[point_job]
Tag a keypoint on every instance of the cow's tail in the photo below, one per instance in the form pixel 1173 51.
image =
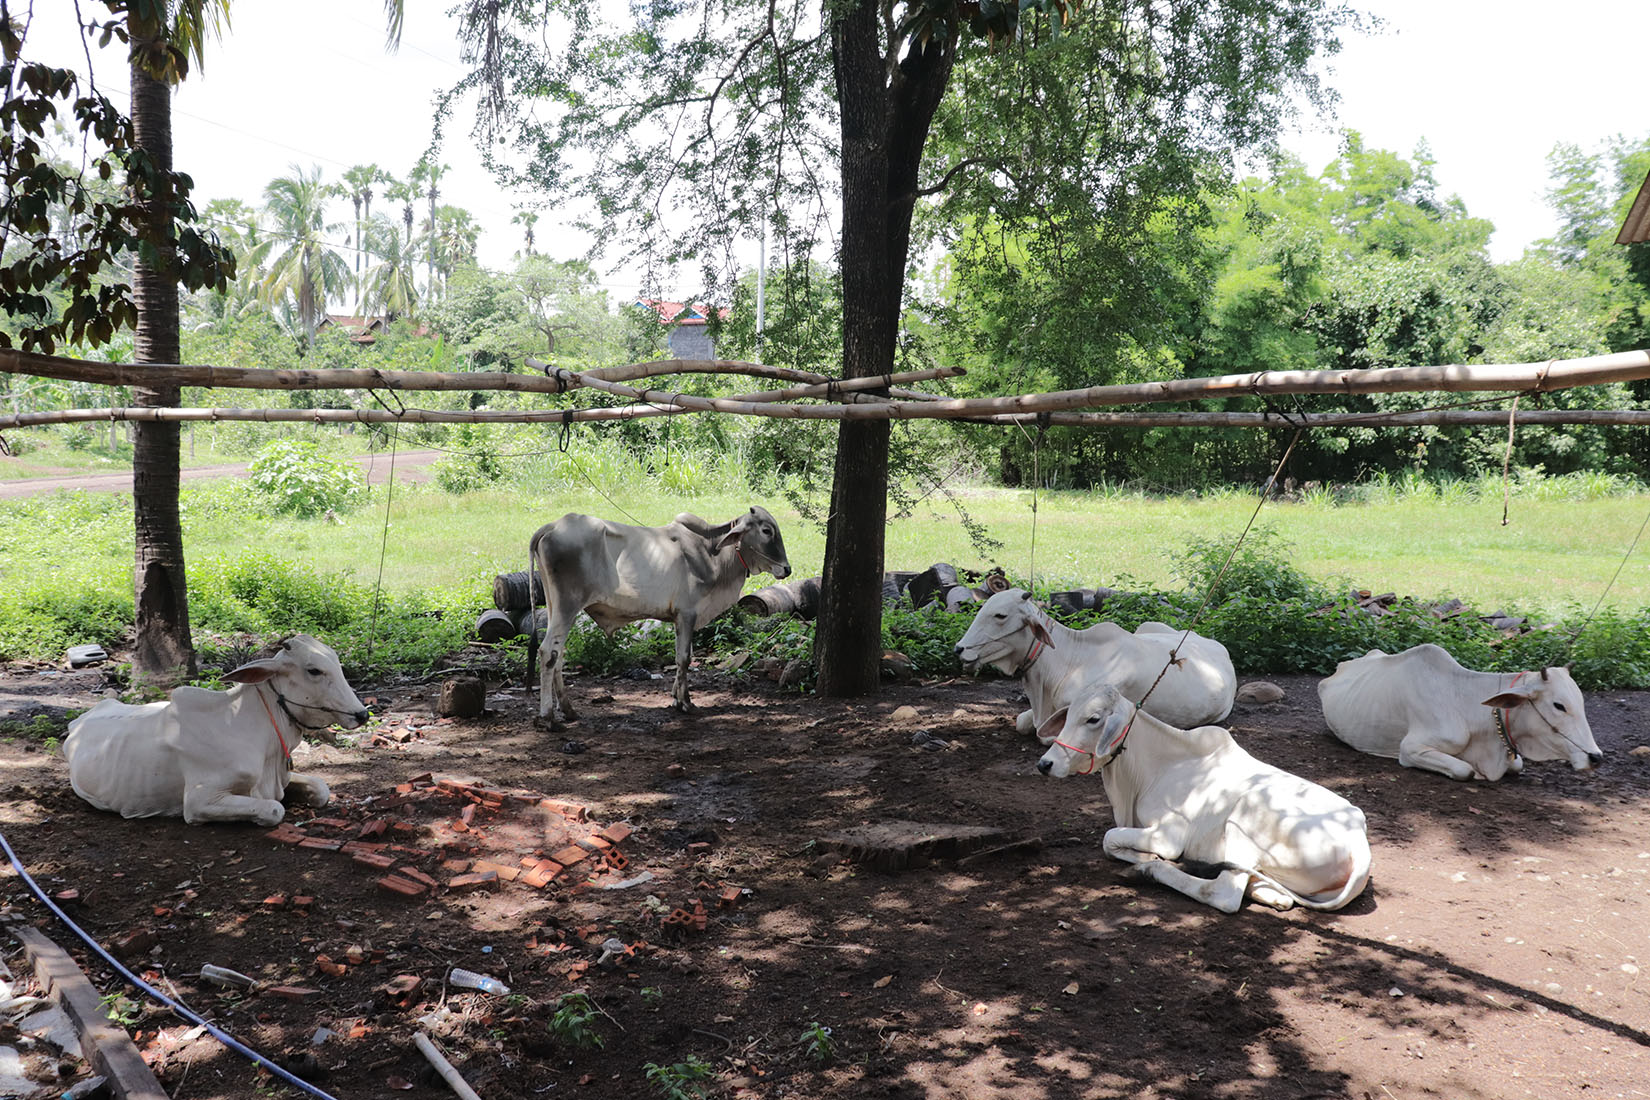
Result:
pixel 1357 865
pixel 532 605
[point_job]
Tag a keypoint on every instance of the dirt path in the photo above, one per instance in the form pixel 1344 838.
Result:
pixel 409 466
pixel 1498 953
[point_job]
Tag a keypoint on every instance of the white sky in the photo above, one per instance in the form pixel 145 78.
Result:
pixel 1491 87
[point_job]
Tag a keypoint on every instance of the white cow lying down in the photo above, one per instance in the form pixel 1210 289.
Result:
pixel 1194 797
pixel 1424 708
pixel 1015 636
pixel 215 755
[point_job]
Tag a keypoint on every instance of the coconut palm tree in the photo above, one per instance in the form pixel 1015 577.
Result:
pixel 432 177
pixel 163 40
pixel 390 286
pixel 304 266
pixel 456 234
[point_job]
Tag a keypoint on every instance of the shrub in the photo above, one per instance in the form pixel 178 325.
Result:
pixel 476 466
pixel 301 481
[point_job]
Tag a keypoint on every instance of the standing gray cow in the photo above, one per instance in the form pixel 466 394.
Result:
pixel 1424 708
pixel 215 755
pixel 687 572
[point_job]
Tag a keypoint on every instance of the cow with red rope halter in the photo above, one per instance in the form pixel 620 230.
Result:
pixel 1425 709
pixel 215 755
pixel 1198 814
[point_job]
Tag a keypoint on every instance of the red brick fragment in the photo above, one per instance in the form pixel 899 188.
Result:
pixel 698 847
pixel 467 814
pixel 375 860
pixel 476 880
pixel 616 833
pixel 135 942
pixel 276 901
pixel 569 855
pixel 320 845
pixel 594 843
pixel 328 823
pixel 406 887
pixel 422 780
pixel 456 866
pixel 302 901
pixel 570 810
pixel 375 827
pixel 293 992
pixel 729 897
pixel 326 966
pixel 616 860
pixel 418 876
pixel 503 871
pixel 67 896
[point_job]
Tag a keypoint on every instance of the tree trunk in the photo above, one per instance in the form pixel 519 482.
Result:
pixel 164 653
pixel 885 122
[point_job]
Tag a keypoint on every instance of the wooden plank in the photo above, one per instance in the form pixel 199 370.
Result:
pixel 107 1047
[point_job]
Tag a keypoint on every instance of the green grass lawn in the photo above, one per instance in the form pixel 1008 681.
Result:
pixel 1552 555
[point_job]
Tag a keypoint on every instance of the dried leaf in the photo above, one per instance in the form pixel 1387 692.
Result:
pixel 1070 990
pixel 882 982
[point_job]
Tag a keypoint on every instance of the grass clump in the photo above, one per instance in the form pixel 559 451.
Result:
pixel 689 1080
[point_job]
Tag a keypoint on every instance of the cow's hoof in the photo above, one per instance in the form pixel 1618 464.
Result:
pixel 271 817
pixel 554 725
pixel 686 707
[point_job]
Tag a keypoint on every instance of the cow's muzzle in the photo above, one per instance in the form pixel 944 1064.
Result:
pixel 1045 765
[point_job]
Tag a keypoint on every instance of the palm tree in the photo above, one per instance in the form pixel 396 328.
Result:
pixel 390 286
pixel 432 174
pixel 358 184
pixel 163 39
pixel 456 233
pixel 307 268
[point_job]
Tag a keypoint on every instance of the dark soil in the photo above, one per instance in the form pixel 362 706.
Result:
pixel 1498 952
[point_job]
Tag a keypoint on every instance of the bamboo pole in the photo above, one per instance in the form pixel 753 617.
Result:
pixel 1251 420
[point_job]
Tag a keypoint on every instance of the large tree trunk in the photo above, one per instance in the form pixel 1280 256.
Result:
pixel 884 127
pixel 164 653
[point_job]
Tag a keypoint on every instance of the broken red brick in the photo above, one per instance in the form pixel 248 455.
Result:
pixel 457 866
pixel 571 810
pixel 418 876
pixel 467 814
pixel 569 855
pixel 729 897
pixel 302 901
pixel 329 823
pixel 473 881
pixel 406 887
pixel 376 860
pixel 326 966
pixel 616 860
pixel 616 833
pixel 67 896
pixel 422 780
pixel 594 843
pixel 286 834
pixel 507 873
pixel 275 901
pixel 293 992
pixel 318 844
pixel 375 827
pixel 354 956
pixel 135 942
pixel 698 847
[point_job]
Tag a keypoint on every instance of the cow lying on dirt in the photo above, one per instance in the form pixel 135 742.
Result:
pixel 1015 636
pixel 1195 798
pixel 1424 708
pixel 215 755
pixel 687 572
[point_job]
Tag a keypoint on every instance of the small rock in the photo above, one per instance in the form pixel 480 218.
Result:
pixel 925 740
pixel 796 670
pixel 573 748
pixel 1260 691
pixel 1394 992
pixel 675 771
pixel 1642 750
pixel 638 674
pixel 904 714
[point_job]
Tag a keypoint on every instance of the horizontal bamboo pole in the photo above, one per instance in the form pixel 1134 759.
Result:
pixel 261 378
pixel 1415 418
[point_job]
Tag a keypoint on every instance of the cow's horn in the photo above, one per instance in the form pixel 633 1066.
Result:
pixel 1543 673
pixel 1025 595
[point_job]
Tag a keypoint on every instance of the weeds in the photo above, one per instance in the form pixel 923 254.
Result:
pixel 817 1043
pixel 574 1022
pixel 689 1080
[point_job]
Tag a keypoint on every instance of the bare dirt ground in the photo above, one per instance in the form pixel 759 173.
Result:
pixel 1499 952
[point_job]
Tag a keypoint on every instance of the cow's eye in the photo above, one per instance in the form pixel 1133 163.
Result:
pixel 1559 707
pixel 313 671
pixel 1001 615
pixel 1094 719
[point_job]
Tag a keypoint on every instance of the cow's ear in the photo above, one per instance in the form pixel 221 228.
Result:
pixel 1506 700
pixel 255 672
pixel 1040 629
pixel 1051 726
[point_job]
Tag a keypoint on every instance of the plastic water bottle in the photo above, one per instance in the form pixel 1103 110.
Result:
pixel 222 975
pixel 469 979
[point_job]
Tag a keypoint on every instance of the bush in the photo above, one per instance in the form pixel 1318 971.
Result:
pixel 301 481
pixel 476 466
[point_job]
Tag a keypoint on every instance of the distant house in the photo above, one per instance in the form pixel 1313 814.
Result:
pixel 1636 228
pixel 360 330
pixel 689 336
